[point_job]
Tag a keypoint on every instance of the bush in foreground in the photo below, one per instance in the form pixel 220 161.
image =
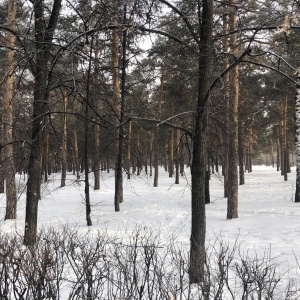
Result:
pixel 66 265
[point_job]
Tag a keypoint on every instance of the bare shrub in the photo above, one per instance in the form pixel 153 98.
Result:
pixel 140 265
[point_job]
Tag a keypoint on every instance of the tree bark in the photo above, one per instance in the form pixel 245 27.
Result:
pixel 182 159
pixel 165 160
pixel 272 154
pixel 278 160
pixel 86 140
pixel 7 119
pixel 46 157
pixel 156 136
pixel 297 136
pixel 198 170
pixel 96 164
pixel 75 144
pixel 64 141
pixel 139 155
pixel 284 142
pixel 171 154
pixel 117 105
pixel 225 165
pixel 43 40
pixel 2 177
pixel 232 200
pixel 177 161
pixel 129 149
pixel 146 158
pixel 241 134
pixel 207 193
pixel 288 163
pixel 151 153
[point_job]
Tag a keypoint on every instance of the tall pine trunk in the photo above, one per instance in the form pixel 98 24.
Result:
pixel 96 165
pixel 156 135
pixel 46 157
pixel 171 154
pixel 43 40
pixel 7 119
pixel 297 136
pixel 225 166
pixel 129 148
pixel 241 134
pixel 75 144
pixel 64 141
pixel 151 152
pixel 272 154
pixel 177 159
pixel 232 200
pixel 117 106
pixel 2 177
pixel 198 170
pixel 86 140
pixel 278 158
pixel 119 99
pixel 284 141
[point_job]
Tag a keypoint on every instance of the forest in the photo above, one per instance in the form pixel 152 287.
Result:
pixel 137 86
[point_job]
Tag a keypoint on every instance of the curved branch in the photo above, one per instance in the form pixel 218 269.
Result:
pixel 254 29
pixel 185 20
pixel 270 68
pixel 236 62
pixel 186 131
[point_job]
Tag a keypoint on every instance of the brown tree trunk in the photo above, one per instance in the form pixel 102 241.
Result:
pixel 278 160
pixel 86 170
pixel 86 140
pixel 288 163
pixel 7 119
pixel 232 201
pixel 297 135
pixel 165 159
pixel 146 158
pixel 133 160
pixel 119 97
pixel 171 154
pixel 225 165
pixel 64 142
pixel 284 142
pixel 199 162
pixel 281 149
pixel 272 154
pixel 250 149
pixel 177 161
pixel 2 177
pixel 247 156
pixel 43 40
pixel 207 193
pixel 97 158
pixel 75 149
pixel 241 134
pixel 75 143
pixel 129 148
pixel 138 158
pixel 156 137
pixel 117 106
pixel 107 164
pixel 151 153
pixel 46 157
pixel 182 159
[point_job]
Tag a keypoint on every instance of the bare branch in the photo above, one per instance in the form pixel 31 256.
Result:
pixel 186 131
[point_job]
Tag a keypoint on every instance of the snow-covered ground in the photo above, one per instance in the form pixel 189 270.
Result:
pixel 268 217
